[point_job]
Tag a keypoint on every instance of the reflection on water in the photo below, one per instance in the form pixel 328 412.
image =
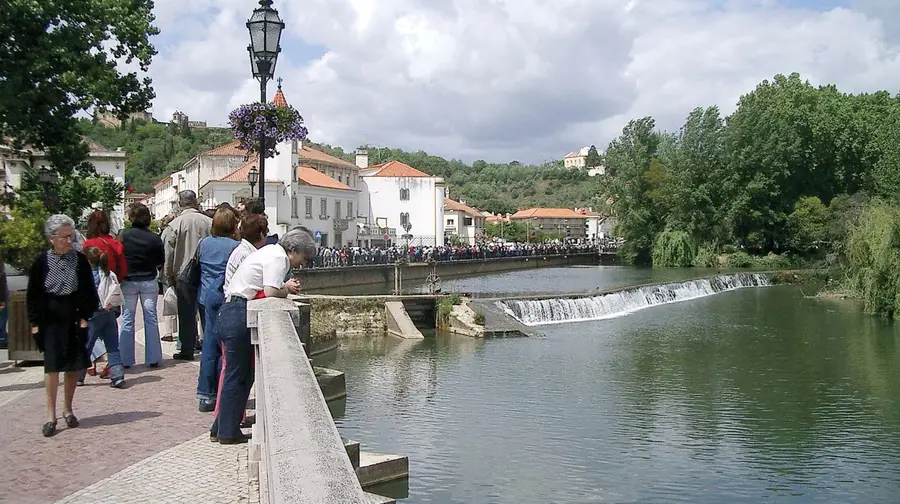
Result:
pixel 749 396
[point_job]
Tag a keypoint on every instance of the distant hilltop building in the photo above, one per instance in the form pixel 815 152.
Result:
pixel 182 120
pixel 109 119
pixel 577 159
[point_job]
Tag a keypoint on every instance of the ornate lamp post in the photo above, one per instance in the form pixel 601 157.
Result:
pixel 252 178
pixel 265 36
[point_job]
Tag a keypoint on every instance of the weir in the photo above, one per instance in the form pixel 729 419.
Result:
pixel 577 308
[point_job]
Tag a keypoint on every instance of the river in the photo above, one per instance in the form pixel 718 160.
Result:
pixel 748 396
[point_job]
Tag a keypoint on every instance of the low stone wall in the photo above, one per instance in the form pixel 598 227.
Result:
pixel 344 280
pixel 332 318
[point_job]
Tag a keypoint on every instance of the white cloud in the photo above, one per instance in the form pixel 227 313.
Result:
pixel 513 79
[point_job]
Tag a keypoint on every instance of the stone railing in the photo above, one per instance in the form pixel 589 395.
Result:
pixel 296 450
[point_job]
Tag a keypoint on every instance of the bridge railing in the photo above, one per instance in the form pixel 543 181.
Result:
pixel 296 450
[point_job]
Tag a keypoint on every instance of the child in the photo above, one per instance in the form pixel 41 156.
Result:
pixel 103 324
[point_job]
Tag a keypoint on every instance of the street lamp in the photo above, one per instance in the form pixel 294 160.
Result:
pixel 48 178
pixel 265 36
pixel 252 178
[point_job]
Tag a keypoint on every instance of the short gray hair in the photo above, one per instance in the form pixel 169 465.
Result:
pixel 187 199
pixel 56 222
pixel 299 239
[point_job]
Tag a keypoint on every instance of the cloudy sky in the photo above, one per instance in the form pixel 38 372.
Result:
pixel 514 79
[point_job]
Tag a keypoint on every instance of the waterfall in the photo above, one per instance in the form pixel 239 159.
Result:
pixel 534 312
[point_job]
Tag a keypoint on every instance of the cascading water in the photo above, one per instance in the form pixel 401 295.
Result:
pixel 534 312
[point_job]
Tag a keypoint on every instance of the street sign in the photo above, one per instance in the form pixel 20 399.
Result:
pixel 318 235
pixel 387 237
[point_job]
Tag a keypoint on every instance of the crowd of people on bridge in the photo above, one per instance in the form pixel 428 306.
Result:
pixel 330 257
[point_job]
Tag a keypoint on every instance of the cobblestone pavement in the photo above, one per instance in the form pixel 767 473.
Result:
pixel 145 443
pixel 144 482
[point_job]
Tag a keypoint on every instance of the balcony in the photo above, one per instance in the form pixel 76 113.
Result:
pixel 449 229
pixel 341 225
pixel 376 232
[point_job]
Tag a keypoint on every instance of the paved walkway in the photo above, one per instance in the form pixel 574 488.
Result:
pixel 146 443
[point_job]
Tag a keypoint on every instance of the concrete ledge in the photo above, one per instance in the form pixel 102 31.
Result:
pixel 352 448
pixel 331 382
pixel 377 468
pixel 378 499
pixel 398 322
pixel 303 456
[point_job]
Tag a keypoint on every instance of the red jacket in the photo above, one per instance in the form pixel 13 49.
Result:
pixel 115 254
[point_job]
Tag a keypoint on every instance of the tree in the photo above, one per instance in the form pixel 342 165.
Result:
pixel 629 157
pixel 58 58
pixel 593 157
pixel 808 224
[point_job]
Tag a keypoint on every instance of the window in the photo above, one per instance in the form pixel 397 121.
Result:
pixel 450 222
pixel 404 218
pixel 341 179
pixel 350 210
pixel 323 208
pixel 294 205
pixel 337 209
pixel 467 221
pixel 308 207
pixel 404 194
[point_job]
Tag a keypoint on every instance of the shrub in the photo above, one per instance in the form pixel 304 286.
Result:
pixel 479 318
pixel 22 235
pixel 873 254
pixel 706 258
pixel 674 249
pixel 740 259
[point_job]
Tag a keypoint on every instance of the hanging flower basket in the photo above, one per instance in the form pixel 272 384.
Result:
pixel 279 124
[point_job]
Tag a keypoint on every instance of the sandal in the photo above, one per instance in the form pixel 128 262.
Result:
pixel 71 421
pixel 49 429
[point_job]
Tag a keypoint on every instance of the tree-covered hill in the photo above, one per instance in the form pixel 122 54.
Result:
pixel 157 150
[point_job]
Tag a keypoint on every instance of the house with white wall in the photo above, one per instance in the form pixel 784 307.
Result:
pixel 396 196
pixel 463 222
pixel 577 159
pixel 106 162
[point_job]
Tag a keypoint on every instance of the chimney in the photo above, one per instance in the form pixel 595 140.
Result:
pixel 362 158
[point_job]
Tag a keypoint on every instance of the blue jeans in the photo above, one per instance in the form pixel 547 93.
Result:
pixel 103 326
pixel 210 356
pixel 3 313
pixel 147 291
pixel 233 332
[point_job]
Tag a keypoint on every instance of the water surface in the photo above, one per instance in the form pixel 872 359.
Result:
pixel 749 396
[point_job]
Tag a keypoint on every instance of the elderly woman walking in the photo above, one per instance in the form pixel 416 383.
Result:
pixel 262 273
pixel 60 299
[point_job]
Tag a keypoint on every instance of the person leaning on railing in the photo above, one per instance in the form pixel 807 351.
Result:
pixel 261 274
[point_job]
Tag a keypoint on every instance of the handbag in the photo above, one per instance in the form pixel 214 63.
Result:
pixel 190 272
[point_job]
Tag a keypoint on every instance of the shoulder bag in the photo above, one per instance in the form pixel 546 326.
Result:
pixel 190 272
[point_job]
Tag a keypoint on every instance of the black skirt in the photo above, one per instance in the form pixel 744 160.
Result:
pixel 65 343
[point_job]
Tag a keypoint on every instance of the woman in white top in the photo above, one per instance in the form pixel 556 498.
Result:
pixel 262 273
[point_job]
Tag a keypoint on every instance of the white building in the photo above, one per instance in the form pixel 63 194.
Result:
pixel 397 197
pixel 106 162
pixel 576 159
pixel 165 194
pixel 463 222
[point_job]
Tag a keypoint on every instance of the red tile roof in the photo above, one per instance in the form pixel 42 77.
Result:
pixel 310 154
pixel 240 175
pixel 280 100
pixel 394 169
pixel 313 177
pixel 455 206
pixel 547 213
pixel 229 149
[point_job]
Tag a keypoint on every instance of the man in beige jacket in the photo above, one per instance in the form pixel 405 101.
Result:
pixel 181 239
